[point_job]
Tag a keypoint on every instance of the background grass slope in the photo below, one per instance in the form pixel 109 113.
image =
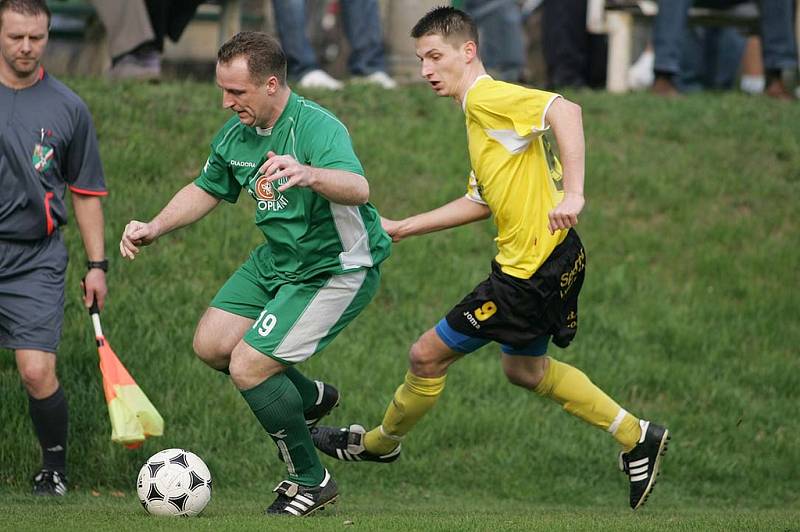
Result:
pixel 688 315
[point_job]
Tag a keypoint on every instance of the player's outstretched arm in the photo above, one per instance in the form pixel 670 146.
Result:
pixel 187 206
pixel 565 119
pixel 458 212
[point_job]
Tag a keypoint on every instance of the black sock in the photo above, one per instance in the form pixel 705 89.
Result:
pixel 50 419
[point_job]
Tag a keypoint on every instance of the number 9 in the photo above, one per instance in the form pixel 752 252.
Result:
pixel 486 311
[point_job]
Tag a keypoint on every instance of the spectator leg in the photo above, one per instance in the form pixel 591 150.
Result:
pixel 290 20
pixel 565 42
pixel 501 36
pixel 127 24
pixel 669 31
pixel 361 20
pixel 777 35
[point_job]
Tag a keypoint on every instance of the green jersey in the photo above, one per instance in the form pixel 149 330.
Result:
pixel 306 233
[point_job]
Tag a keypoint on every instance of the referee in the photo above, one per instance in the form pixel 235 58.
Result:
pixel 47 144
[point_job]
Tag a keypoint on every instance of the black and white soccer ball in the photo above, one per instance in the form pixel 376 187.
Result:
pixel 174 482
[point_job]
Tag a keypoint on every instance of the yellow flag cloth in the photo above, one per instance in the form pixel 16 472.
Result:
pixel 133 416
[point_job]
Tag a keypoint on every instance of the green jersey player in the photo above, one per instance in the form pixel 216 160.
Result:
pixel 317 270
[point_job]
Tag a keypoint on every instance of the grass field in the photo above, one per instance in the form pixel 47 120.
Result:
pixel 688 317
pixel 240 511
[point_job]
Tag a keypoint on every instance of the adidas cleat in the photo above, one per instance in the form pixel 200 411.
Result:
pixel 347 444
pixel 642 463
pixel 47 482
pixel 297 500
pixel 327 400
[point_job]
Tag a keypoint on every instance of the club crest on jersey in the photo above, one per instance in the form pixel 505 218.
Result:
pixel 263 189
pixel 267 195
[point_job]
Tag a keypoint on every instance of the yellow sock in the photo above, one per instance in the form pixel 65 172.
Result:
pixel 411 401
pixel 580 397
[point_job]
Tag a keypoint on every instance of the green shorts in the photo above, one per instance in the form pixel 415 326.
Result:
pixel 295 319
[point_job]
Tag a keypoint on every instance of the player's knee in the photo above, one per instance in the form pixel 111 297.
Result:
pixel 37 376
pixel 200 346
pixel 521 379
pixel 526 376
pixel 208 350
pixel 249 368
pixel 425 361
pixel 238 367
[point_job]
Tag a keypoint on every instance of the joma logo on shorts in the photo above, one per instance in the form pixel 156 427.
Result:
pixel 471 319
pixel 246 164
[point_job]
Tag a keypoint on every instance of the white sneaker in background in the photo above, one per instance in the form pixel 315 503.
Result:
pixel 381 79
pixel 319 79
pixel 142 67
pixel 752 84
pixel 640 74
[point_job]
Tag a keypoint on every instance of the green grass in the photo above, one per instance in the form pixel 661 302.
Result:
pixel 688 317
pixel 244 511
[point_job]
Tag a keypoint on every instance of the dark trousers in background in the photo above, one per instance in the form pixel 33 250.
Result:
pixel 169 18
pixel 574 57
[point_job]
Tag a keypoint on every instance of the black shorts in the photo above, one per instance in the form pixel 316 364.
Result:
pixel 518 312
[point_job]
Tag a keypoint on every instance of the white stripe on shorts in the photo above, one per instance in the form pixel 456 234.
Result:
pixel 320 316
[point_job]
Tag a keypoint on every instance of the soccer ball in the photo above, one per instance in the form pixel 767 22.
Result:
pixel 174 482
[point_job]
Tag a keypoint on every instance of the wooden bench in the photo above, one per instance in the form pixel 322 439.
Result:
pixel 620 16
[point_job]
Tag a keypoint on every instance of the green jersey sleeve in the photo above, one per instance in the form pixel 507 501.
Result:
pixel 332 148
pixel 217 178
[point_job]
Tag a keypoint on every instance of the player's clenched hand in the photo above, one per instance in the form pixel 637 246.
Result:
pixel 285 166
pixel 392 227
pixel 565 214
pixel 136 234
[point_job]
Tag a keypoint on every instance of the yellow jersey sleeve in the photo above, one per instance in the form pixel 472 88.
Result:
pixel 501 107
pixel 473 190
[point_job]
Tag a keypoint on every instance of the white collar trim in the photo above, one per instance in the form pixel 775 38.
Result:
pixel 464 103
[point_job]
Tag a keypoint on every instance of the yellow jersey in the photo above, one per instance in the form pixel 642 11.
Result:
pixel 514 171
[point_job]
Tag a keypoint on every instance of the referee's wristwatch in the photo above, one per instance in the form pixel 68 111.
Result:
pixel 100 264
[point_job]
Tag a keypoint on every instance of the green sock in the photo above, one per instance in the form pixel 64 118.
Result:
pixel 306 387
pixel 277 405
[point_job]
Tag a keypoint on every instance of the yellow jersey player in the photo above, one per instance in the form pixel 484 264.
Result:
pixel 531 296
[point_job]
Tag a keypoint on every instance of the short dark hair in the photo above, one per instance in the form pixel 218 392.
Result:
pixel 448 22
pixel 25 7
pixel 263 54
